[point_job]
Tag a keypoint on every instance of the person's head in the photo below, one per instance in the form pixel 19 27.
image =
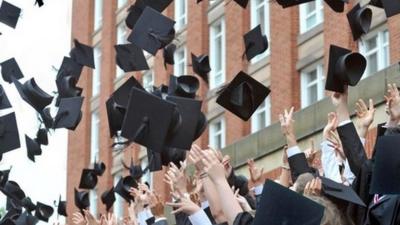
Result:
pixel 332 215
pixel 301 182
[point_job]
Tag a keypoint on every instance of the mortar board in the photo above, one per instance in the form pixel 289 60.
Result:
pixel 82 54
pixel 69 68
pixel 9 69
pixel 129 58
pixel 69 114
pixel 340 192
pixel 392 7
pixel 4 174
pixel 31 93
pixel 115 115
pixel 136 9
pixel 4 102
pixel 81 199
pixel 201 126
pixel 46 118
pixel 9 14
pixel 376 3
pixel 62 207
pixel 123 187
pixel 121 95
pixel 108 198
pixel 242 3
pixel 67 88
pixel 9 135
pixel 201 66
pixel 43 212
pixel 135 171
pixel 336 5
pixel 88 179
pixel 39 3
pixel 33 148
pixel 183 86
pixel 359 20
pixel 255 43
pixel 168 54
pixel 289 3
pixel 99 168
pixel 41 137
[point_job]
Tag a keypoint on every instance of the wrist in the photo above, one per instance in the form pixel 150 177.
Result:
pixel 291 140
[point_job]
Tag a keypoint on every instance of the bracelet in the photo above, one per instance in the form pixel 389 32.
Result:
pixel 285 167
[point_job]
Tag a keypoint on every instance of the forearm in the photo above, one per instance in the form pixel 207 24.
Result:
pixel 284 179
pixel 342 113
pixel 291 140
pixel 213 200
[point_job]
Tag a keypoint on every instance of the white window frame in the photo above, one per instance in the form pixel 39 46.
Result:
pixel 148 84
pixel 263 108
pixel 121 39
pixel 213 36
pixel 121 3
pixel 180 62
pixel 304 15
pixel 98 14
pixel 180 18
pixel 381 44
pixel 94 136
pixel 118 207
pixel 265 25
pixel 320 81
pixel 213 132
pixel 96 78
pixel 93 202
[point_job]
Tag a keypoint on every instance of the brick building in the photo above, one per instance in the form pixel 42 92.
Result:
pixel 293 67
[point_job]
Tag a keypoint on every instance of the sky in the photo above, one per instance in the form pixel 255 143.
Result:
pixel 39 43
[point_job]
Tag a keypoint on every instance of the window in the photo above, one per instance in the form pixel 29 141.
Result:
pixel 376 51
pixel 260 16
pixel 180 14
pixel 262 116
pixel 94 146
pixel 119 202
pixel 96 78
pixel 146 176
pixel 98 14
pixel 148 80
pixel 217 53
pixel 180 62
pixel 121 39
pixel 93 202
pixel 217 133
pixel 122 3
pixel 312 86
pixel 311 14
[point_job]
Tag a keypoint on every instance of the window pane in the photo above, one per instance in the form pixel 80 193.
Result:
pixel 311 21
pixel 95 127
pixel 217 55
pixel 119 202
pixel 310 7
pixel 312 76
pixel 372 63
pixel 371 44
pixel 93 202
pixel 122 33
pixel 312 94
pixel 96 72
pixel 180 62
pixel 98 14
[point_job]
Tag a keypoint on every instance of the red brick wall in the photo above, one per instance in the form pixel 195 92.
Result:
pixel 394 39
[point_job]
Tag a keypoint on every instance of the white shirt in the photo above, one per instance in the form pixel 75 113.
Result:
pixel 199 218
pixel 143 216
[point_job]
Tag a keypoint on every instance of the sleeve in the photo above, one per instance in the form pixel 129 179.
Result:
pixel 243 218
pixel 182 219
pixel 348 175
pixel 298 163
pixel 199 218
pixel 293 151
pixel 329 163
pixel 161 221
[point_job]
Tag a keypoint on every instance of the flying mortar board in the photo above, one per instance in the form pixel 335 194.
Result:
pixel 99 168
pixel 129 58
pixel 123 187
pixel 337 5
pixel 108 198
pixel 168 54
pixel 81 199
pixel 43 212
pixel 360 20
pixel 122 94
pixel 7 221
pixel 67 88
pixel 280 205
pixel 340 192
pixel 255 43
pixel 289 3
pixel 392 7
pixel 46 118
pixel 243 96
pixel 31 93
pixel 4 102
pixel 9 135
pixel 82 54
pixel 344 68
pixel 115 115
pixel 173 155
pixel 201 126
pixel 154 159
pixel 189 110
pixel 88 179
pixel 12 212
pixel 183 86
pixel 153 31
pixel 41 137
pixel 242 3
pixel 4 174
pixel 9 69
pixel 135 171
pixel 136 9
pixel 201 66
pixel 69 114
pixel 385 176
pixel 143 122
pixel 69 68
pixel 33 148
pixel 28 204
pixel 39 3
pixel 12 190
pixel 26 219
pixel 62 207
pixel 9 14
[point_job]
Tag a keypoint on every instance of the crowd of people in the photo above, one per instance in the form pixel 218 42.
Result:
pixel 214 194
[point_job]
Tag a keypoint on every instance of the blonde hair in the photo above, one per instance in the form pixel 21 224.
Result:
pixel 332 215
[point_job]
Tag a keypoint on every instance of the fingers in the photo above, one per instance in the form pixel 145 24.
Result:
pixel 371 104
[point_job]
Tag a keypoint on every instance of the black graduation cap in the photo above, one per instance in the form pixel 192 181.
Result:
pixel 123 187
pixel 9 14
pixel 39 3
pixel 115 115
pixel 88 179
pixel 43 212
pixel 336 5
pixel 67 88
pixel 359 20
pixel 136 9
pixel 4 174
pixel 33 148
pixel 243 96
pixel 9 136
pixel 345 68
pixel 392 7
pixel 130 58
pixel 242 3
pixel 143 123
pixel 81 199
pixel 4 102
pixel 255 42
pixel 69 114
pixel 289 3
pixel 62 207
pixel 69 68
pixel 189 110
pixel 135 171
pixel 201 125
pixel 12 190
pixel 82 54
pixel 201 66
pixel 9 69
pixel 41 137
pixel 28 204
pixel 154 159
pixel 168 54
pixel 340 191
pixel 183 86
pixel 122 94
pixel 152 31
pixel 174 155
pixel 108 198
pixel 26 219
pixel 33 94
pixel 280 205
pixel 99 168
pixel 385 176
pixel 46 118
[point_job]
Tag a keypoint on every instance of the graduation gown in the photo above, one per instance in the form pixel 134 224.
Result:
pixel 243 218
pixel 385 212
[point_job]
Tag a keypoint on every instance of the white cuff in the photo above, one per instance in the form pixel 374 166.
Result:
pixel 205 204
pixel 258 190
pixel 199 218
pixel 293 151
pixel 344 123
pixel 159 219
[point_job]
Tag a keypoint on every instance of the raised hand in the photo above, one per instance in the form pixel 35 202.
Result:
pixel 183 204
pixel 393 103
pixel 195 157
pixel 313 187
pixel 176 178
pixel 212 166
pixel 78 219
pixel 365 116
pixel 91 220
pixel 311 152
pixel 241 200
pixel 339 100
pixel 331 125
pixel 156 206
pixel 110 219
pixel 256 174
pixel 336 144
pixel 287 122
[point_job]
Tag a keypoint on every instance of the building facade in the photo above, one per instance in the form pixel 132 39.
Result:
pixel 293 68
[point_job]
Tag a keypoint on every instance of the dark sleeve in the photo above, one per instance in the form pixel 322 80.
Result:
pixel 243 218
pixel 161 222
pixel 209 215
pixel 352 147
pixel 298 165
pixel 182 219
pixel 150 221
